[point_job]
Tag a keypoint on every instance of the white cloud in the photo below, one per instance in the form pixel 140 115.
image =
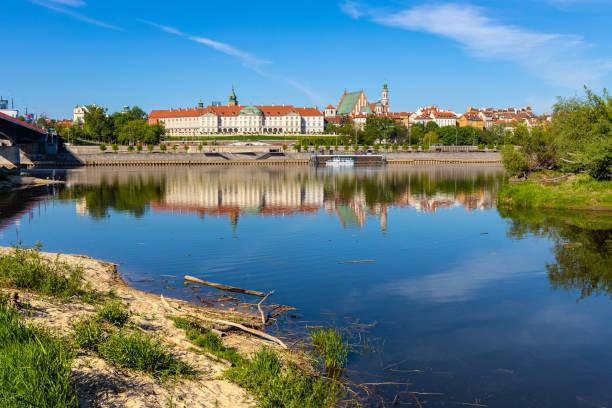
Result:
pixel 247 59
pixel 351 8
pixel 556 58
pixel 52 5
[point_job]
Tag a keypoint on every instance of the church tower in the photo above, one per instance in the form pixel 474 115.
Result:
pixel 233 101
pixel 385 98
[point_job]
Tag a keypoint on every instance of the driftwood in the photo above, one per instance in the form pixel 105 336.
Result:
pixel 263 318
pixel 236 325
pixel 350 262
pixel 225 287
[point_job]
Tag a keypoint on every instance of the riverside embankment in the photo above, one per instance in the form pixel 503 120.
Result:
pixel 125 347
pixel 246 155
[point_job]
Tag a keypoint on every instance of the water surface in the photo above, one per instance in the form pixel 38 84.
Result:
pixel 474 304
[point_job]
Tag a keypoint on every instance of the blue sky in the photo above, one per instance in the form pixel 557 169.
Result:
pixel 158 54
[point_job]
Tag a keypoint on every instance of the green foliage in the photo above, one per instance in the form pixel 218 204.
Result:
pixel 431 137
pixel 102 147
pixel 332 347
pixel 514 161
pixel 130 148
pixel 98 126
pixel 139 147
pixel 25 269
pixel 163 147
pixel 431 127
pixel 174 147
pixel 150 147
pixel 88 333
pixel 114 312
pixel 186 147
pixel 600 167
pixel 115 147
pixel 417 132
pixel 282 385
pixel 142 352
pixel 580 193
pixel 34 365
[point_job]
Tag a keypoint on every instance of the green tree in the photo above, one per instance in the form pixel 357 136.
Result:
pixel 431 127
pixel 98 125
pixel 417 132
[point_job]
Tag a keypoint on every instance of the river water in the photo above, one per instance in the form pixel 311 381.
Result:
pixel 464 303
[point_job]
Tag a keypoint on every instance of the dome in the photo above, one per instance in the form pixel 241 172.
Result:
pixel 250 110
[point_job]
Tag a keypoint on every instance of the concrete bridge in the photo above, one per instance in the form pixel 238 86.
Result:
pixel 18 137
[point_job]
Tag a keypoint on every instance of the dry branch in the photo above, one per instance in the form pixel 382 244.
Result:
pixel 263 318
pixel 225 287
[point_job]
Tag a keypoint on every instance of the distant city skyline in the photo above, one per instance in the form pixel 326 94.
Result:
pixel 450 54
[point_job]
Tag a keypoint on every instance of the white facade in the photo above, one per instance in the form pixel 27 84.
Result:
pixel 240 120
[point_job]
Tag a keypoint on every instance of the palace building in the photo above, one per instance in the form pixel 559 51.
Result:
pixel 236 119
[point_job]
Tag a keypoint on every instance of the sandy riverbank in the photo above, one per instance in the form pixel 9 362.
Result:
pixel 15 182
pixel 100 384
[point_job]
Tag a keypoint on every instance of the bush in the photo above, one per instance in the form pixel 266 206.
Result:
pixel 395 147
pixel 186 147
pixel 414 147
pixel 162 147
pixel 115 147
pixel 173 147
pixel 404 147
pixel 514 161
pixel 130 148
pixel 34 365
pixel 600 167
pixel 481 147
pixel 114 312
pixel 200 147
pixel 376 147
pixel 355 147
pixel 139 148
pixel 103 147
pixel 88 333
pixel 490 146
pixel 150 147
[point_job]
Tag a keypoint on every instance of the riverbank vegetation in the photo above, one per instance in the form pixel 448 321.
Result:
pixel 275 381
pixel 578 141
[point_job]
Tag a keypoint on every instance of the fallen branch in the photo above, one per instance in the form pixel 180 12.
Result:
pixel 225 287
pixel 350 262
pixel 557 178
pixel 263 318
pixel 247 329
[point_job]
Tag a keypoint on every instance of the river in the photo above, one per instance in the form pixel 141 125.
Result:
pixel 463 303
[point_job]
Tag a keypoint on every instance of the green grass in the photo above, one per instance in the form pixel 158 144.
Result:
pixel 25 269
pixel 129 349
pixel 114 312
pixel 581 193
pixel 274 382
pixel 332 348
pixel 34 365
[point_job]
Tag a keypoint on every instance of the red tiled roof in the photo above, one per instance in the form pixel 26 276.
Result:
pixel 268 110
pixel 444 115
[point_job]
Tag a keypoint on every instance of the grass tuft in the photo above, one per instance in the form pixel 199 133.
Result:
pixel 114 312
pixel 332 347
pixel 34 365
pixel 88 333
pixel 144 353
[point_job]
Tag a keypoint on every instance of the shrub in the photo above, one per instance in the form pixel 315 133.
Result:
pixel 355 147
pixel 200 147
pixel 186 147
pixel 139 148
pixel 514 161
pixel 404 147
pixel 600 167
pixel 102 147
pixel 34 365
pixel 150 147
pixel 173 147
pixel 481 147
pixel 114 312
pixel 285 147
pixel 130 148
pixel 414 147
pixel 376 147
pixel 490 146
pixel 395 147
pixel 162 147
pixel 115 147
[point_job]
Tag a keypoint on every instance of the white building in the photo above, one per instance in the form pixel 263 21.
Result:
pixel 78 114
pixel 262 119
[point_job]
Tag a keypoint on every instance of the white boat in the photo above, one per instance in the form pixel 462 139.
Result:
pixel 340 162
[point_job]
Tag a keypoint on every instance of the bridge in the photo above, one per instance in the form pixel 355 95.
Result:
pixel 18 137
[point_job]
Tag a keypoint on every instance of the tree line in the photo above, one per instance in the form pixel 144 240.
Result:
pixel 578 140
pixel 127 127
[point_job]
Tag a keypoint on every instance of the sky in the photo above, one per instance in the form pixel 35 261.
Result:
pixel 161 55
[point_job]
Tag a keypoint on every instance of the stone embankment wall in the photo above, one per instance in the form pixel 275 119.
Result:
pixel 247 155
pixel 9 156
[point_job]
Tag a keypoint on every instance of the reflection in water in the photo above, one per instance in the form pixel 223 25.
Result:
pixel 582 247
pixel 282 192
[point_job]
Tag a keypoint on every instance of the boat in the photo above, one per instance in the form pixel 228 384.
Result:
pixel 340 162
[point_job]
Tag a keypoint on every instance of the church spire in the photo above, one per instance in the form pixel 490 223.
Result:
pixel 233 100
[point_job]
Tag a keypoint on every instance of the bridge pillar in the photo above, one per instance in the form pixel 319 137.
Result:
pixel 9 156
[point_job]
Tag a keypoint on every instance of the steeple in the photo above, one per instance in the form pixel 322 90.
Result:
pixel 200 104
pixel 385 98
pixel 233 101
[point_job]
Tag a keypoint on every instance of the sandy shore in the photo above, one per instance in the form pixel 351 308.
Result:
pixel 13 182
pixel 100 384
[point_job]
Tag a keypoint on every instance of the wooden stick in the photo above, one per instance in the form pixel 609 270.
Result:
pixel 263 319
pixel 350 262
pixel 248 329
pixel 225 287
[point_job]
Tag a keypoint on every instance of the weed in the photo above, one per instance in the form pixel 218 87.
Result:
pixel 88 333
pixel 332 347
pixel 34 365
pixel 144 353
pixel 114 312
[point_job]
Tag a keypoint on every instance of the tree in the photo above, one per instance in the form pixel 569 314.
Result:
pixel 431 127
pixel 431 137
pixel 98 125
pixel 448 134
pixel 417 131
